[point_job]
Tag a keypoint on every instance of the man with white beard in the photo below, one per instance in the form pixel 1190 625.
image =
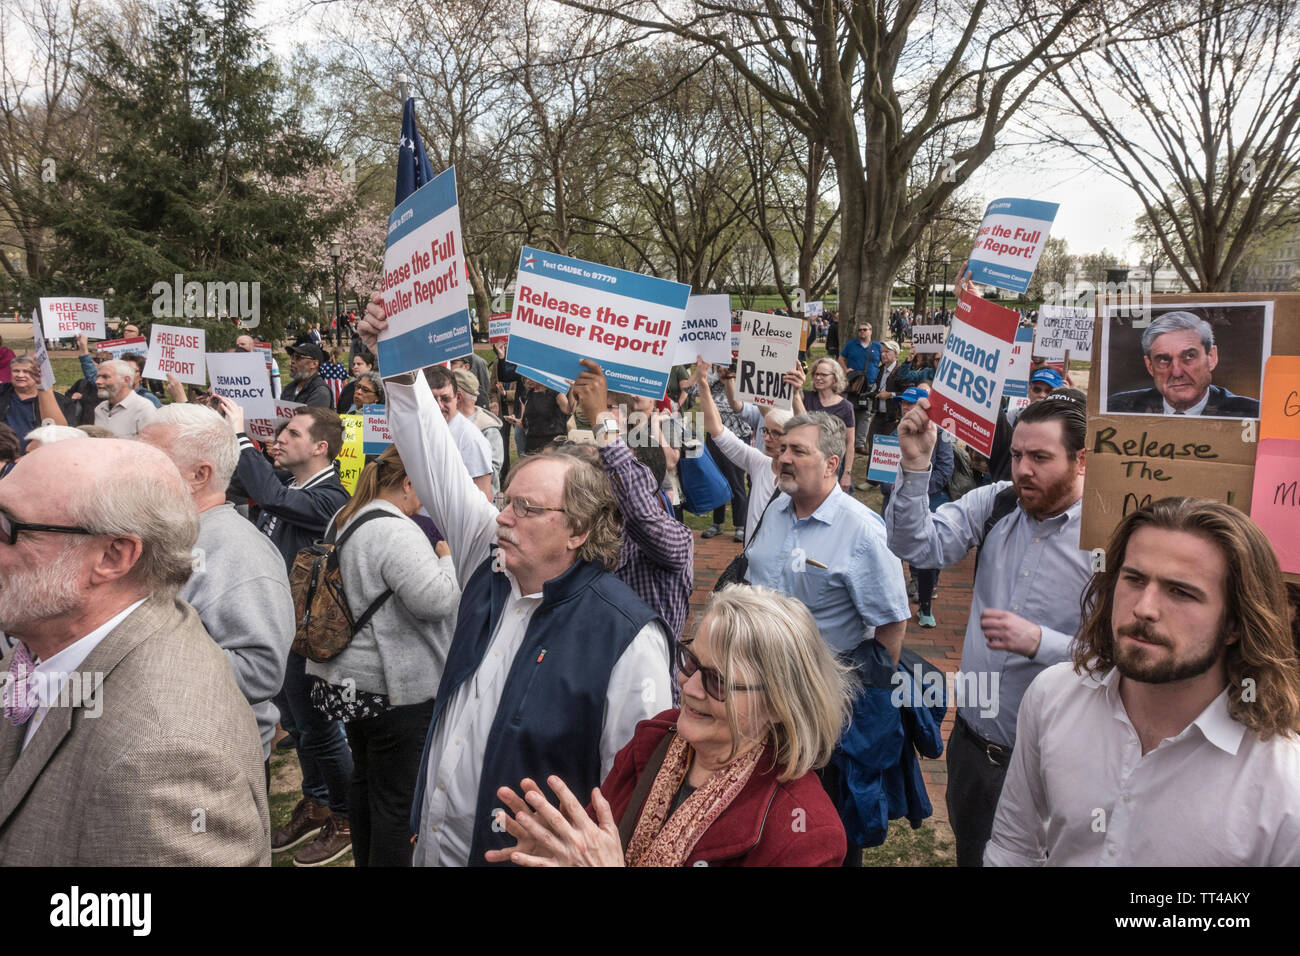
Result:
pixel 541 621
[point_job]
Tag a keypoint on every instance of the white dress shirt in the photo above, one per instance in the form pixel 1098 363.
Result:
pixel 1197 409
pixel 1080 792
pixel 54 672
pixel 127 417
pixel 639 684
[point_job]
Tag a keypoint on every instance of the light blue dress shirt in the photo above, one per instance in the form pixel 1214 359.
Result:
pixel 1028 567
pixel 862 586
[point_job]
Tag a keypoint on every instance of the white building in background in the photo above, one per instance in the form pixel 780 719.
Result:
pixel 1276 269
pixel 1165 281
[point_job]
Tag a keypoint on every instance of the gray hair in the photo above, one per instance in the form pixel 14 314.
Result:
pixel 49 434
pixel 1177 322
pixel 830 432
pixel 841 381
pixel 201 434
pixel 120 367
pixel 376 382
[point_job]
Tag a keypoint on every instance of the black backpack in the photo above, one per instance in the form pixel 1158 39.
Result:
pixel 1004 502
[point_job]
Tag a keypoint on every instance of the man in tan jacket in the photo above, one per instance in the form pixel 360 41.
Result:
pixel 125 739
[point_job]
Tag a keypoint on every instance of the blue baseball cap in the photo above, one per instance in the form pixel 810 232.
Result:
pixel 913 395
pixel 1049 375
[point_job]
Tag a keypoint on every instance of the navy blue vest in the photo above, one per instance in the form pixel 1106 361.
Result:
pixel 553 707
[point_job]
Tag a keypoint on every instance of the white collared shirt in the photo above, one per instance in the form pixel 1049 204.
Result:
pixel 1196 409
pixel 1080 792
pixel 127 417
pixel 54 672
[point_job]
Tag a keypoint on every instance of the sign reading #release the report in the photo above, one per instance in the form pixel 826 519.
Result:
pixel 66 318
pixel 178 350
pixel 567 309
pixel 424 286
pixel 967 387
pixel 1009 242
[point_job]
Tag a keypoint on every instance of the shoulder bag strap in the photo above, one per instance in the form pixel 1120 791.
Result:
pixel 627 825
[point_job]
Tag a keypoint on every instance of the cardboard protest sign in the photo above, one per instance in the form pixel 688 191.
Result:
pixel 706 331
pixel 1009 242
pixel 241 377
pixel 967 389
pixel 178 350
pixel 928 338
pixel 352 457
pixel 1280 407
pixel 424 287
pixel 264 429
pixel 136 345
pixel 68 317
pixel 1020 362
pixel 885 459
pixel 769 347
pixel 1275 501
pixel 567 309
pixel 499 328
pixel 40 354
pixel 375 434
pixel 1061 328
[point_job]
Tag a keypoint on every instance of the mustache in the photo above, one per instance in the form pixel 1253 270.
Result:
pixel 1143 631
pixel 507 536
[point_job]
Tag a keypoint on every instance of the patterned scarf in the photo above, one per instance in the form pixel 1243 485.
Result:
pixel 660 840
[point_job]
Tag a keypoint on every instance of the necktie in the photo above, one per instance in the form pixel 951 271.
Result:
pixel 19 703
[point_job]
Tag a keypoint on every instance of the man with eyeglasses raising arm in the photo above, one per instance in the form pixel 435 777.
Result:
pixel 554 661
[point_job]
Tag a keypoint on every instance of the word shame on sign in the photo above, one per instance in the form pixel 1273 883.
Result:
pixel 928 338
pixel 968 382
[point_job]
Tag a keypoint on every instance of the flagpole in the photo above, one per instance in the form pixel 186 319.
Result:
pixel 404 87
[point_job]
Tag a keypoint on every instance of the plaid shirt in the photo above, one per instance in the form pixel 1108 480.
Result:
pixel 657 561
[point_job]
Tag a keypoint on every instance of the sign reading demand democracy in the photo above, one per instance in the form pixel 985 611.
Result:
pixel 706 331
pixel 241 377
pixel 967 388
pixel 566 309
pixel 424 285
pixel 1009 242
pixel 65 318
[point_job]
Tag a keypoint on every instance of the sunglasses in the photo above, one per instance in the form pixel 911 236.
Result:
pixel 9 528
pixel 714 685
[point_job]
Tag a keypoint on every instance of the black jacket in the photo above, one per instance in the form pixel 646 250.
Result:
pixel 314 392
pixel 1149 401
pixel 71 410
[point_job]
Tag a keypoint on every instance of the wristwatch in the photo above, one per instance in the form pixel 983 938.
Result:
pixel 605 426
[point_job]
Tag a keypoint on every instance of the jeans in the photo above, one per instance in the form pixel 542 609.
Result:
pixel 387 751
pixel 322 749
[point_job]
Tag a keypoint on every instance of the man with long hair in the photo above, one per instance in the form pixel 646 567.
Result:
pixel 1171 740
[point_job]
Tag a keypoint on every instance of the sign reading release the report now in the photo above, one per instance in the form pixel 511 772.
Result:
pixel 1009 242
pixel 567 309
pixel 424 286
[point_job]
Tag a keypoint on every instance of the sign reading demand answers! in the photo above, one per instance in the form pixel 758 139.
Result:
pixel 568 309
pixel 424 285
pixel 967 388
pixel 1009 242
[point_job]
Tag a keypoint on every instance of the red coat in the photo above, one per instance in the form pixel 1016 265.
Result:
pixel 768 824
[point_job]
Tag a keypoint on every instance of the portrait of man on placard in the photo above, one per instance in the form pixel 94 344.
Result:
pixel 1193 359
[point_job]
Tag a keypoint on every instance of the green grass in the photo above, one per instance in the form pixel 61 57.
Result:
pixel 931 845
pixel 286 783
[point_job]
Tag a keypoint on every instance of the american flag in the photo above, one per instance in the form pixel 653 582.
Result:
pixel 413 169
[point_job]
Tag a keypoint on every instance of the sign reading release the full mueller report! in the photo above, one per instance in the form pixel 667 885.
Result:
pixel 967 387
pixel 424 286
pixel 567 309
pixel 1009 242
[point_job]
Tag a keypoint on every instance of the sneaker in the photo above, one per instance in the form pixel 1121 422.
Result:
pixel 711 531
pixel 739 535
pixel 287 742
pixel 926 620
pixel 307 819
pixel 334 839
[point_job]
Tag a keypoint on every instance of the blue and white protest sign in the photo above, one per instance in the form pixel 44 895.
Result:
pixel 241 377
pixel 375 435
pixel 40 354
pixel 967 390
pixel 553 382
pixel 885 458
pixel 706 331
pixel 424 286
pixel 1019 363
pixel 1009 242
pixel 117 348
pixel 567 309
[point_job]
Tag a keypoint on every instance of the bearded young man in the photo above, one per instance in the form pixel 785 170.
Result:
pixel 1172 740
pixel 1029 576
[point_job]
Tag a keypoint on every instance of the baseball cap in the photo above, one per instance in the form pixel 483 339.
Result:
pixel 466 380
pixel 307 350
pixel 913 395
pixel 1049 375
pixel 891 345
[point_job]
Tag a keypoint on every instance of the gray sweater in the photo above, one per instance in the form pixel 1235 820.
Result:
pixel 401 652
pixel 241 590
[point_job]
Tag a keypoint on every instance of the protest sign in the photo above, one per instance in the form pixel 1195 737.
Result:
pixel 1280 407
pixel 423 285
pixel 1009 242
pixel 40 354
pixel 553 382
pixel 1275 501
pixel 567 309
pixel 812 308
pixel 706 331
pixel 272 367
pixel 68 317
pixel 967 389
pixel 885 458
pixel 928 338
pixel 375 435
pixel 352 457
pixel 117 348
pixel 1017 404
pixel 769 347
pixel 1062 327
pixel 735 336
pixel 177 350
pixel 1020 361
pixel 499 328
pixel 264 429
pixel 241 377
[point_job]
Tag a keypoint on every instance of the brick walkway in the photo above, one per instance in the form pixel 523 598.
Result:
pixel 940 645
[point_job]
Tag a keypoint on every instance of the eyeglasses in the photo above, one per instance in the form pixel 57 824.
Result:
pixel 523 508
pixel 714 685
pixel 9 528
